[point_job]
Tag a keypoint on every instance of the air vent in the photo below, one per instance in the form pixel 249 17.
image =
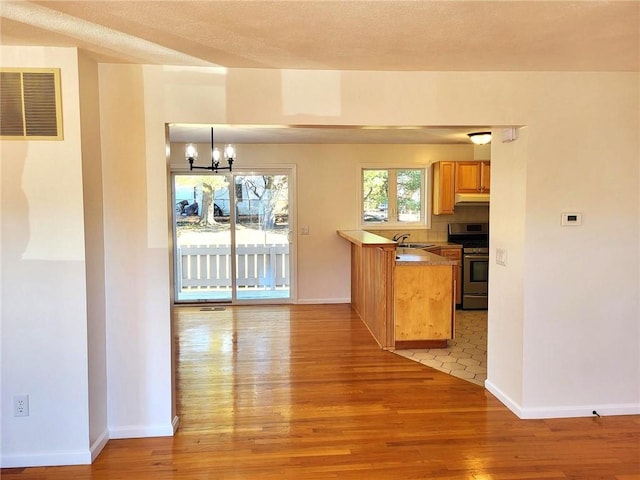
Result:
pixel 30 106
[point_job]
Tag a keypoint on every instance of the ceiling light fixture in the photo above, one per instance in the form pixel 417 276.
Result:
pixel 480 138
pixel 191 153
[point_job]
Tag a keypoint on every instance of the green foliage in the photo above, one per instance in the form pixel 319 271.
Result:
pixel 375 188
pixel 409 184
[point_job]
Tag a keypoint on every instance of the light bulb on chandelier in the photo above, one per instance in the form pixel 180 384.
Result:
pixel 191 154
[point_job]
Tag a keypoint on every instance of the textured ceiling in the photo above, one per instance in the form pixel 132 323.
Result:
pixel 340 34
pixel 428 35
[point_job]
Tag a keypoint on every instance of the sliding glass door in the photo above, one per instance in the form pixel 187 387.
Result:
pixel 232 237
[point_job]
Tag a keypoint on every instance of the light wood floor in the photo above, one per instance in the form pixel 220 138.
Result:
pixel 303 392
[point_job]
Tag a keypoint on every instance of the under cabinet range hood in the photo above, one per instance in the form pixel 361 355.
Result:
pixel 472 199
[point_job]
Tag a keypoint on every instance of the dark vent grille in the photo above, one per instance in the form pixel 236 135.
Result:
pixel 30 105
pixel 11 119
pixel 40 104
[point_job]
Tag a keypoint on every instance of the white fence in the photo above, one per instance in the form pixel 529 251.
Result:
pixel 264 267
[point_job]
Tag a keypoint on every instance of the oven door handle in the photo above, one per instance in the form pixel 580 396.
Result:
pixel 476 256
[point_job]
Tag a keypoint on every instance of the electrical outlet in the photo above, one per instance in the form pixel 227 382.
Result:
pixel 21 406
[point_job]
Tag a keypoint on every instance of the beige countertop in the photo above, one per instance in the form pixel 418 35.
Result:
pixel 414 256
pixel 404 256
pixel 445 244
pixel 364 239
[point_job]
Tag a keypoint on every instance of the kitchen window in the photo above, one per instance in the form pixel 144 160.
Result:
pixel 393 196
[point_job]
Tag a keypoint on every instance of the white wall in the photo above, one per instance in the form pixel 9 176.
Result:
pixel 577 320
pixel 44 292
pixel 578 303
pixel 94 244
pixel 582 318
pixel 506 301
pixel 136 258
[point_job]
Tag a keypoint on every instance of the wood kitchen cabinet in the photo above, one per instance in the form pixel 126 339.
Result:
pixel 404 296
pixel 372 265
pixel 443 188
pixel 424 310
pixel 453 253
pixel 472 177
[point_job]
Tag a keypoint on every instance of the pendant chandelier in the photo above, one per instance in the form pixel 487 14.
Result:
pixel 191 154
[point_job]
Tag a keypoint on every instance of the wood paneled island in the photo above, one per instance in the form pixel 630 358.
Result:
pixel 405 297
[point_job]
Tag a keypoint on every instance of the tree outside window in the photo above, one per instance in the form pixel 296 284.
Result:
pixel 393 196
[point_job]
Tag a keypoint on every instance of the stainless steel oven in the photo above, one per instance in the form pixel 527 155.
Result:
pixel 475 283
pixel 474 238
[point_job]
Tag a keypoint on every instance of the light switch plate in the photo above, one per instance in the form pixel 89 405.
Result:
pixel 501 257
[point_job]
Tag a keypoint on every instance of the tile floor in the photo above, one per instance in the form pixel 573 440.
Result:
pixel 466 355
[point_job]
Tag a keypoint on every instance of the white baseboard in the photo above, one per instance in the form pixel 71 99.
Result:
pixel 49 459
pixel 505 399
pixel 99 444
pixel 142 431
pixel 321 301
pixel 581 411
pixel 175 424
pixel 570 411
pixel 82 457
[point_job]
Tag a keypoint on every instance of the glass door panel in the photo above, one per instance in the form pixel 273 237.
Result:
pixel 262 237
pixel 231 243
pixel 202 238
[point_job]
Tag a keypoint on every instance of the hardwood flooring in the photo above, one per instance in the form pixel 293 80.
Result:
pixel 303 392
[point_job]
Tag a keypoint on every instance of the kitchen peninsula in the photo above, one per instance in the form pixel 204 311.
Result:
pixel 405 296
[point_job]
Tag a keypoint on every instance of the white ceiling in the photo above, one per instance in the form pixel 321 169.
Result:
pixel 427 35
pixel 340 34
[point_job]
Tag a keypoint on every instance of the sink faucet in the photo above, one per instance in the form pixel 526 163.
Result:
pixel 401 237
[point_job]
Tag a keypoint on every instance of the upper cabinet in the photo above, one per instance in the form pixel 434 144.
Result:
pixel 472 177
pixel 443 188
pixel 450 178
pixel 485 176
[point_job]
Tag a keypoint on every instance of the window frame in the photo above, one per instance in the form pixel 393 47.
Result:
pixel 390 224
